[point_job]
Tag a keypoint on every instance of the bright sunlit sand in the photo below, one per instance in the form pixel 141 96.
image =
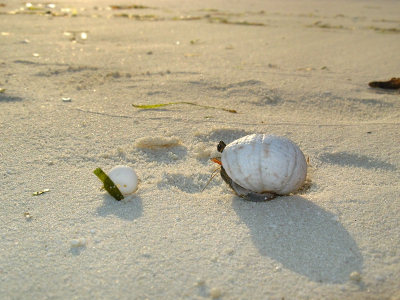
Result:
pixel 70 73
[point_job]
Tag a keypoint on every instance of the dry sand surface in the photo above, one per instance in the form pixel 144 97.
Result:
pixel 294 68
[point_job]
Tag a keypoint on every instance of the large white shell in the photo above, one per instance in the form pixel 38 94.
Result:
pixel 265 163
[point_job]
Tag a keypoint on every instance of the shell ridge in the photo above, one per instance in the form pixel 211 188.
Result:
pixel 296 178
pixel 258 145
pixel 239 161
pixel 232 162
pixel 259 163
pixel 279 169
pixel 255 179
pixel 247 162
pixel 291 169
pixel 289 165
pixel 264 164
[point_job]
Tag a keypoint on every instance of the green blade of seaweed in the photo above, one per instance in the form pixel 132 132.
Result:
pixel 109 185
pixel 151 106
pixel 182 102
pixel 40 192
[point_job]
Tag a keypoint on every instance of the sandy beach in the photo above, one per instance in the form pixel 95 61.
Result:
pixel 69 74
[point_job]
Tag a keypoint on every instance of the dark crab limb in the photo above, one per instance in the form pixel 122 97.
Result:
pixel 245 193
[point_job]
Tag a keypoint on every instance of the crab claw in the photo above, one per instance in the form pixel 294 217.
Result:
pixel 217 161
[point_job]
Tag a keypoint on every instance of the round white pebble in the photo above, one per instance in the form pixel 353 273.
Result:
pixel 215 293
pixel 125 179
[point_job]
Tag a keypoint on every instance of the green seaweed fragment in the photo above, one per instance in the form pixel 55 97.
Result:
pixel 209 9
pixel 182 102
pixel 139 17
pixel 385 30
pixel 186 18
pixel 35 8
pixel 226 21
pixel 319 24
pixel 109 185
pixel 129 6
pixel 40 192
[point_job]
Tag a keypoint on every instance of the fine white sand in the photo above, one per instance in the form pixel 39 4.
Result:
pixel 302 73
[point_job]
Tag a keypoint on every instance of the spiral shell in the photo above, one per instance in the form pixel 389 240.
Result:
pixel 265 163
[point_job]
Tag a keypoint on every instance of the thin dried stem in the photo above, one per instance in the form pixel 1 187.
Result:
pixel 213 174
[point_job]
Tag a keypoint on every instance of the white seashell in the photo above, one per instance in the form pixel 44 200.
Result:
pixel 125 179
pixel 263 164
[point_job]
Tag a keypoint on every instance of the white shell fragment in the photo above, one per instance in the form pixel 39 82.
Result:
pixel 265 163
pixel 125 179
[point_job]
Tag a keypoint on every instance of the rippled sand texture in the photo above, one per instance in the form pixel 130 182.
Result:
pixel 69 74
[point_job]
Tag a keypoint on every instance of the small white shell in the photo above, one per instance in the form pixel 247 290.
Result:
pixel 265 163
pixel 125 179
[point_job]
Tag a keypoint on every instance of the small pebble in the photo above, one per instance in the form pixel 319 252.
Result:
pixel 229 251
pixel 200 282
pixel 27 215
pixel 215 293
pixel 74 243
pixel 173 156
pixel 355 276
pixel 78 242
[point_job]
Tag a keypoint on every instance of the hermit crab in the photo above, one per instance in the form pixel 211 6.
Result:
pixel 259 167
